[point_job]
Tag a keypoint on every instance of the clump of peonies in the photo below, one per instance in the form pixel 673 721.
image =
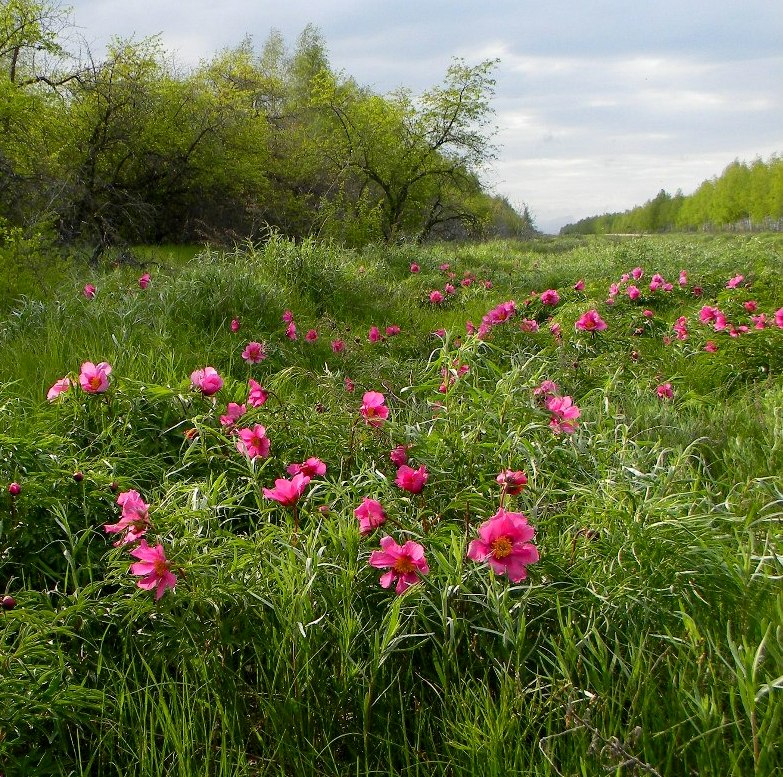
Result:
pixel 590 322
pixel 207 381
pixel 406 563
pixel 498 315
pixel 154 569
pixel 411 480
pixel 374 408
pixel 253 442
pixel 134 520
pixel 504 542
pixel 287 492
pixel 94 378
pixel 370 514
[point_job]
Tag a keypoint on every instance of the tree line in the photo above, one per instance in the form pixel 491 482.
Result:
pixel 744 197
pixel 136 148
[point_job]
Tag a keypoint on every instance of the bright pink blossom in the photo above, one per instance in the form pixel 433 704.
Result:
pixel 60 387
pixel 633 292
pixel 529 325
pixel 759 321
pixel 94 378
pixel 436 297
pixel 233 413
pixel 311 336
pixel 648 313
pixel 707 314
pixel 732 283
pixel 415 268
pixel 399 455
pixel 564 414
pixel 683 279
pixel 144 281
pixel 135 518
pixel 288 492
pixel 665 391
pixel 449 288
pixel 412 480
pixel 710 346
pixel 550 297
pixel 512 481
pixel 154 569
pixel 235 325
pixel 374 408
pixel 313 467
pixel 370 514
pixel 751 305
pixel 290 331
pixel 680 328
pixel 392 331
pixel 207 381
pixel 257 394
pixel 637 273
pixel 590 322
pixel 253 443
pixel 14 489
pixel 254 352
pixel 406 563
pixel 579 285
pixel 89 291
pixel 374 335
pixel 504 542
pixel 779 318
pixel 547 387
pixel 338 346
pixel 288 317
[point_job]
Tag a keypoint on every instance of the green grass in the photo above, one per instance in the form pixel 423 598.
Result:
pixel 646 640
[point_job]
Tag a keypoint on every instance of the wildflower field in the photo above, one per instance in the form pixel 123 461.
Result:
pixel 511 508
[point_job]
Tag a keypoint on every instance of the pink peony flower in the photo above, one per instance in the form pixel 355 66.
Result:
pixel 399 455
pixel 374 408
pixel 135 518
pixel 14 489
pixel 683 279
pixel 579 285
pixel 665 391
pixel 680 328
pixel 253 443
pixel 550 297
pixel 548 388
pixel 311 336
pixel 207 381
pixel 154 569
pixel 233 413
pixel 288 317
pixel 312 467
pixel 529 325
pixel 370 514
pixel 732 283
pixel 60 387
pixel 290 331
pixel 449 288
pixel 338 346
pixel 412 480
pixel 697 291
pixel 235 325
pixel 350 386
pixel 374 335
pixel 648 313
pixel 779 318
pixel 707 314
pixel 94 378
pixel 392 331
pixel 405 562
pixel 415 268
pixel 590 322
pixel 759 321
pixel 144 281
pixel 710 346
pixel 436 297
pixel 637 273
pixel 254 352
pixel 89 291
pixel 564 414
pixel 257 395
pixel 288 492
pixel 466 282
pixel 504 543
pixel 633 292
pixel 751 305
pixel 444 267
pixel 512 481
pixel 470 327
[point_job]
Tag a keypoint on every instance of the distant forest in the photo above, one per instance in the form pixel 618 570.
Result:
pixel 136 148
pixel 743 198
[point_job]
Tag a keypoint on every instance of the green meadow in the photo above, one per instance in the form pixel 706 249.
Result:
pixel 271 636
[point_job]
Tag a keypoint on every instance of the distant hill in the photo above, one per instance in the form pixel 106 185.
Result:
pixel 745 197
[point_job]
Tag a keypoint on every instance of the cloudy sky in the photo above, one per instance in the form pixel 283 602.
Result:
pixel 599 104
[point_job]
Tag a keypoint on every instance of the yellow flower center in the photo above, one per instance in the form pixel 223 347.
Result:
pixel 501 547
pixel 403 566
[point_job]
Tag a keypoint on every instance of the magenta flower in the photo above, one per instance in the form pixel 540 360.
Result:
pixel 235 325
pixel 548 388
pixel 406 563
pixel 89 291
pixel 311 336
pixel 683 279
pixel 732 283
pixel 257 395
pixel 512 481
pixel 338 346
pixel 312 467
pixel 637 273
pixel 288 317
pixel 233 413
pixel 504 543
pixel 144 281
pixel 647 313
pixel 449 288
pixel 374 335
pixel 710 346
pixel 350 386
pixel 14 489
pixel 370 514
pixel 154 569
pixel 135 518
pixel 399 455
pixel 207 381
pixel 779 318
pixel 529 325
pixel 287 492
pixel 590 322
pixel 392 330
pixel 374 408
pixel 579 285
pixel 253 443
pixel 412 480
pixel 751 305
pixel 94 378
pixel 254 352
pixel 60 387
pixel 436 297
pixel 564 414
pixel 550 297
pixel 633 292
pixel 680 328
pixel 290 331
pixel 444 267
pixel 415 268
pixel 665 391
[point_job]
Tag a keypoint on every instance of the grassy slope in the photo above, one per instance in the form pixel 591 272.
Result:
pixel 647 635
